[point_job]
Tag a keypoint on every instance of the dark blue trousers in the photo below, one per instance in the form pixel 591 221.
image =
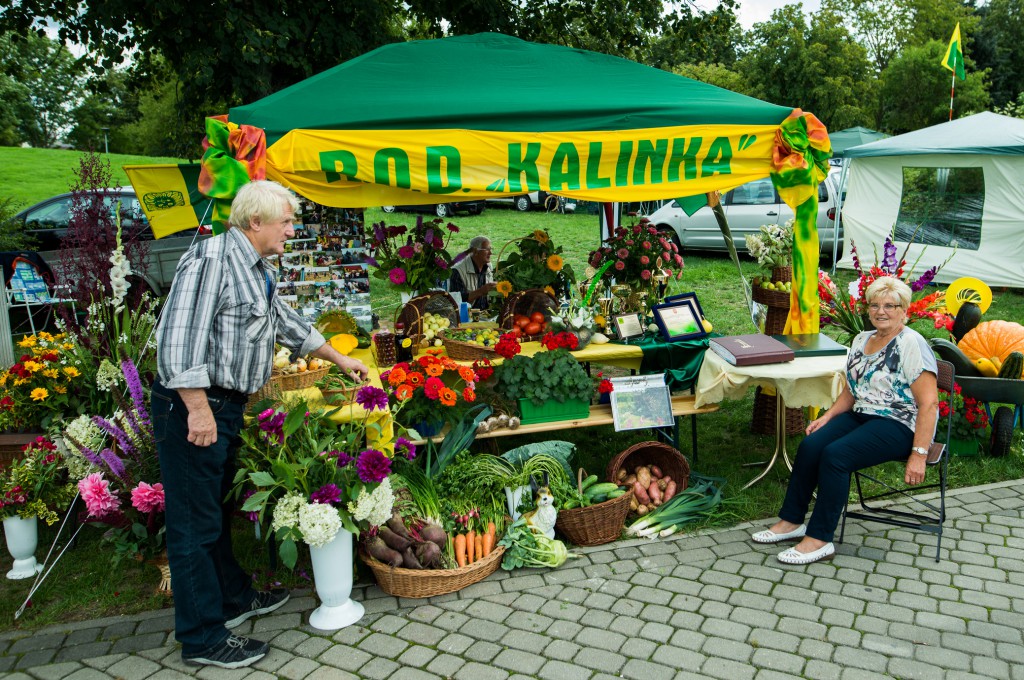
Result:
pixel 209 585
pixel 826 459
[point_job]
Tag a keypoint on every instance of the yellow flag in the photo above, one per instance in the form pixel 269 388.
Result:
pixel 953 59
pixel 170 196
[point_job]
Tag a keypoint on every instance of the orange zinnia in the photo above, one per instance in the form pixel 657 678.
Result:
pixel 468 394
pixel 415 378
pixel 403 392
pixel 467 374
pixel 397 376
pixel 434 370
pixel 427 360
pixel 447 396
pixel 449 364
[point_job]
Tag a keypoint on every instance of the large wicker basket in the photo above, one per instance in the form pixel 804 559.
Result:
pixel 429 582
pixel 762 419
pixel 435 302
pixel 526 302
pixel 466 351
pixel 672 463
pixel 280 383
pixel 595 524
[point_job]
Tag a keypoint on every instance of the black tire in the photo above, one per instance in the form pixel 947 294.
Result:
pixel 442 210
pixel 388 208
pixel 522 203
pixel 1002 432
pixel 669 233
pixel 477 210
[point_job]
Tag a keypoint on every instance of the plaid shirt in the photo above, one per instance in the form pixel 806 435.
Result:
pixel 218 327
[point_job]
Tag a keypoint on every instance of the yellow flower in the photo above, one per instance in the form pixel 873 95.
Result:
pixel 39 394
pixel 18 382
pixel 541 236
pixel 71 371
pixel 60 389
pixel 3 378
pixel 51 373
pixel 28 341
pixel 46 336
pixel 555 263
pixel 504 287
pixel 32 366
pixel 67 346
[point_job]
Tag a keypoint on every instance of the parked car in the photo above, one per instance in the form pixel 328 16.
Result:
pixel 47 223
pixel 747 207
pixel 441 209
pixel 523 202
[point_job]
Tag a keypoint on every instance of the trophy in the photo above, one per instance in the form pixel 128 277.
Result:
pixel 622 291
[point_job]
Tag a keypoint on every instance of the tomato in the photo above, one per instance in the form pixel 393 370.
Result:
pixel 537 317
pixel 532 328
pixel 522 322
pixel 516 332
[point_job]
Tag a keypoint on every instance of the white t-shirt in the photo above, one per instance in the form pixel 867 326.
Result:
pixel 880 382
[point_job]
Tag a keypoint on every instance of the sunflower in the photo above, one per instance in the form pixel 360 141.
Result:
pixel 541 235
pixel 555 263
pixel 504 287
pixel 550 291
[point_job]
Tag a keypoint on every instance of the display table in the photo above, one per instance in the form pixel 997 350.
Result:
pixel 811 381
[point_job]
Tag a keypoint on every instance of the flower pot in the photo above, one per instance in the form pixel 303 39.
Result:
pixel 552 410
pixel 22 539
pixel 604 398
pixel 429 428
pixel 332 576
pixel 963 447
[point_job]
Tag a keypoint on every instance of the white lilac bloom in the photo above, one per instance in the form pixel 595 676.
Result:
pixel 81 432
pixel 319 524
pixel 286 512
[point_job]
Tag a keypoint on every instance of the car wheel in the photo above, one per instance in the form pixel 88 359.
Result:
pixel 670 234
pixel 477 210
pixel 388 208
pixel 523 203
pixel 442 210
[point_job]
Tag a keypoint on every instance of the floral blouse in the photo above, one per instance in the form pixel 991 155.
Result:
pixel 880 382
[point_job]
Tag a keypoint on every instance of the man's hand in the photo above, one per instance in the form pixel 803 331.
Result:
pixel 202 427
pixel 355 368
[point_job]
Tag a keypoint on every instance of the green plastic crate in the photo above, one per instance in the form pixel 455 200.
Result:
pixel 574 409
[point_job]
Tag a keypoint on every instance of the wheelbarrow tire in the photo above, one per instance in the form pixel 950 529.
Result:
pixel 1002 432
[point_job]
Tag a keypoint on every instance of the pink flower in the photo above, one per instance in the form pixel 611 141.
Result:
pixel 418 247
pixel 147 498
pixel 628 241
pixel 667 256
pixel 637 228
pixel 645 275
pixel 620 265
pixel 405 252
pixel 622 253
pixel 679 260
pixel 397 276
pixel 647 245
pixel 644 260
pixel 95 491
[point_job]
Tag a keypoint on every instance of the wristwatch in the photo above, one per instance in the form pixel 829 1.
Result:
pixel 920 449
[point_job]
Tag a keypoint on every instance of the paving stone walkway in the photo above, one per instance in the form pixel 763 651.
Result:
pixel 713 605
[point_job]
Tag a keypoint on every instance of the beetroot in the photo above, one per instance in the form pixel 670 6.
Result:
pixel 409 559
pixel 398 526
pixel 393 540
pixel 428 554
pixel 379 551
pixel 435 534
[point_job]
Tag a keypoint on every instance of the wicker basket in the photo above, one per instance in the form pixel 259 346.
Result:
pixel 763 418
pixel 771 298
pixel 595 524
pixel 672 463
pixel 435 302
pixel 466 351
pixel 429 582
pixel 280 383
pixel 343 396
pixel 11 445
pixel 525 303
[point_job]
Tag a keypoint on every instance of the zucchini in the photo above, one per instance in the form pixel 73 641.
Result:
pixel 589 481
pixel 570 504
pixel 604 488
pixel 599 498
pixel 615 494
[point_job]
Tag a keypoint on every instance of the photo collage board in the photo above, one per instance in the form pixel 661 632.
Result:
pixel 324 266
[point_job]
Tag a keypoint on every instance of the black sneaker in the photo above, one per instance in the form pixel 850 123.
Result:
pixel 265 602
pixel 234 652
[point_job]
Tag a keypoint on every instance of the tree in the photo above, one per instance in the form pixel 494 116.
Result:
pixel 110 103
pixel 694 37
pixel 917 71
pixel 883 26
pixel 715 74
pixel 1000 48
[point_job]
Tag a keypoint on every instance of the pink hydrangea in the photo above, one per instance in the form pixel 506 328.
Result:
pixel 148 498
pixel 95 491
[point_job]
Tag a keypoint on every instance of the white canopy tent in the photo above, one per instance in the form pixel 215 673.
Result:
pixel 958 184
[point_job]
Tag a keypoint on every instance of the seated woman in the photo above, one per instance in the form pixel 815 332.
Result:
pixel 887 409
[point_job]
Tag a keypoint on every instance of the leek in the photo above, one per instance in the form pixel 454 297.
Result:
pixel 689 505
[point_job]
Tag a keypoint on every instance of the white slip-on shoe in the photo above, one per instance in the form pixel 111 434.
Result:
pixel 794 556
pixel 769 536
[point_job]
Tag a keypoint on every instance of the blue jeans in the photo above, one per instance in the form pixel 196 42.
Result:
pixel 209 585
pixel 826 459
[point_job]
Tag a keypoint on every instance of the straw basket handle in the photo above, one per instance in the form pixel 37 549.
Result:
pixel 580 476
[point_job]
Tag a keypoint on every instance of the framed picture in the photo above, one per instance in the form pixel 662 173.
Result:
pixel 641 402
pixel 628 326
pixel 680 319
pixel 686 296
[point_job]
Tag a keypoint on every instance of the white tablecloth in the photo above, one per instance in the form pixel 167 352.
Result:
pixel 811 381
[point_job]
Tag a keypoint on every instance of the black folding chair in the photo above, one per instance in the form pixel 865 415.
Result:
pixel 929 516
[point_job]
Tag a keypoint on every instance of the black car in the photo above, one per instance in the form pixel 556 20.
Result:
pixel 441 209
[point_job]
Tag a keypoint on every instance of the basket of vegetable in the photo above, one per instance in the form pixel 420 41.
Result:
pixel 470 344
pixel 528 311
pixel 338 387
pixel 655 471
pixel 596 513
pixel 289 375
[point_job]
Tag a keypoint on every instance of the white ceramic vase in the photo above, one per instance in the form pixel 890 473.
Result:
pixel 22 539
pixel 332 574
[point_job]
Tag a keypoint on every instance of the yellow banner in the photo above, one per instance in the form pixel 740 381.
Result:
pixel 362 168
pixel 169 196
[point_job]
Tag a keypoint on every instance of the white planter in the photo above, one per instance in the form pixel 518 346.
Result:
pixel 22 539
pixel 332 575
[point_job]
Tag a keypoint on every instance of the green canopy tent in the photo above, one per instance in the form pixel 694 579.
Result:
pixel 484 115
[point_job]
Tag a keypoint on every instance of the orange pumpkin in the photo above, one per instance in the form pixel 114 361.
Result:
pixel 993 340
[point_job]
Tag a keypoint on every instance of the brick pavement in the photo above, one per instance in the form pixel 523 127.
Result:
pixel 712 605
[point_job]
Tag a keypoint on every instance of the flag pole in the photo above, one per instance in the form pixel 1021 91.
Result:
pixel 952 89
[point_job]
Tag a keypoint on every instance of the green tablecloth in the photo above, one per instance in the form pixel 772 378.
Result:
pixel 680 361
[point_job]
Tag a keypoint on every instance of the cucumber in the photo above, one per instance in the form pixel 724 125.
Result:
pixel 599 498
pixel 589 481
pixel 604 488
pixel 570 504
pixel 616 493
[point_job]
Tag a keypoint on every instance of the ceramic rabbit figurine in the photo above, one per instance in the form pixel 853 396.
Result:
pixel 542 518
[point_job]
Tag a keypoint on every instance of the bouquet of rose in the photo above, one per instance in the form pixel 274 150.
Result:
pixel 35 484
pixel 412 261
pixel 312 477
pixel 969 418
pixel 430 390
pixel 637 254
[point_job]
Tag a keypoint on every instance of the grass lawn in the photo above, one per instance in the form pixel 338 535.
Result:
pixel 84 586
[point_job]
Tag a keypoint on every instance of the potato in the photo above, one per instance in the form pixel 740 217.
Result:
pixel 643 476
pixel 621 474
pixel 633 504
pixel 629 480
pixel 656 472
pixel 662 483
pixel 642 510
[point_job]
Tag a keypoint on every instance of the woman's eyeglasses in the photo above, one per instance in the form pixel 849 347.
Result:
pixel 887 307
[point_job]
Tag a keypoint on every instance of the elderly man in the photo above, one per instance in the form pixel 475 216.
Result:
pixel 472 274
pixel 215 347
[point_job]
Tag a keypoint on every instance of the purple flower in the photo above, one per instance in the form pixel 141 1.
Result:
pixel 115 464
pixel 372 261
pixel 371 398
pixel 404 447
pixel 397 276
pixel 441 264
pixel 406 252
pixel 131 376
pixel 252 515
pixel 328 494
pixel 378 232
pixel 373 466
pixel 452 228
pixel 925 279
pixel 343 458
pixel 889 262
pixel 428 236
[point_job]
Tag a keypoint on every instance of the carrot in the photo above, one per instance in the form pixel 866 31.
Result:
pixel 479 546
pixel 460 549
pixel 471 546
pixel 490 538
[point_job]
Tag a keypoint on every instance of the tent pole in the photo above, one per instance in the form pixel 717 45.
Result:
pixel 839 212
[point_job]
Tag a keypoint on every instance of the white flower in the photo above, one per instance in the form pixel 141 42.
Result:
pixel 319 524
pixel 854 289
pixel 286 512
pixel 89 435
pixel 375 508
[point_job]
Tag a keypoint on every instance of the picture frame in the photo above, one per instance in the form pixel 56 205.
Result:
pixel 640 402
pixel 680 318
pixel 628 326
pixel 686 296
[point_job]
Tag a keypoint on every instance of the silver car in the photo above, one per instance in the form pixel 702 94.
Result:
pixel 747 207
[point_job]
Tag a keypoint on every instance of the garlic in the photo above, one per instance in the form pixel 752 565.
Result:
pixel 483 427
pixel 503 420
pixel 513 423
